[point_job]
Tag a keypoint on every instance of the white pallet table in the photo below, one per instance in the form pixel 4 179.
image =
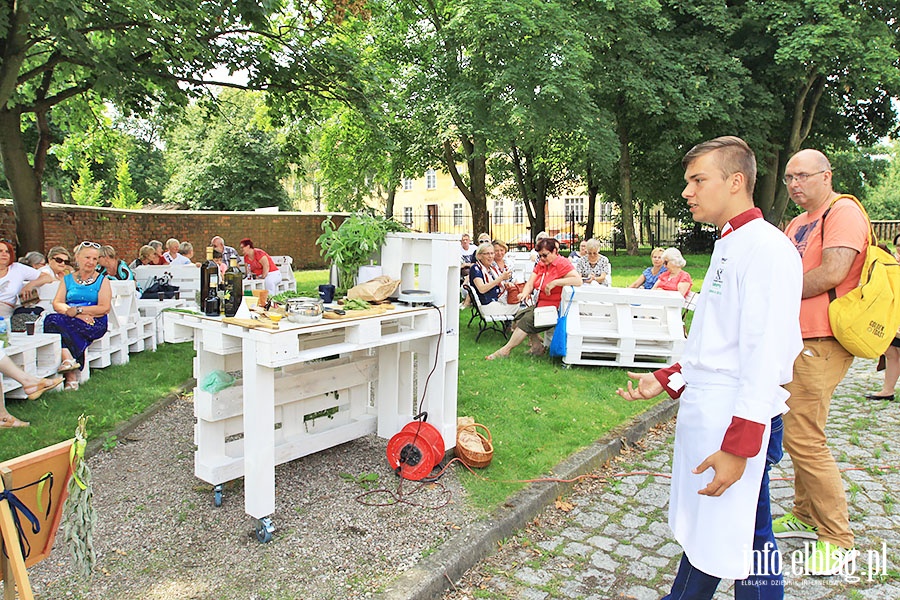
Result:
pixel 37 354
pixel 623 327
pixel 152 309
pixel 123 308
pixel 367 373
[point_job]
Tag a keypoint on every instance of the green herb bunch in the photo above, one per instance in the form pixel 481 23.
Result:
pixel 354 244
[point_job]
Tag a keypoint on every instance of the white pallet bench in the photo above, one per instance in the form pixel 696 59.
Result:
pixel 37 354
pixel 186 277
pixel 623 327
pixel 288 283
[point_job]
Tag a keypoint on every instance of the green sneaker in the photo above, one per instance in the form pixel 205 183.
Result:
pixel 828 559
pixel 790 526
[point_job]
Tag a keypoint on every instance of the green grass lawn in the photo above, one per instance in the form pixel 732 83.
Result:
pixel 111 396
pixel 538 412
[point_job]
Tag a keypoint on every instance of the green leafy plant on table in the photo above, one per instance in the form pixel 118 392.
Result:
pixel 354 244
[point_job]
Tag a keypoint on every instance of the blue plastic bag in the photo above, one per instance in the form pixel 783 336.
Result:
pixel 558 343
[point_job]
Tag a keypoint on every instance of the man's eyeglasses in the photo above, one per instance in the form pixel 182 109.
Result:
pixel 799 177
pixel 87 244
pixel 544 254
pixel 60 261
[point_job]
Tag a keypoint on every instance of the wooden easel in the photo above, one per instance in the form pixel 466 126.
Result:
pixel 14 566
pixel 16 473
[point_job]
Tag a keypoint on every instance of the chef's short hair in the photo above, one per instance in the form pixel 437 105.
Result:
pixel 733 156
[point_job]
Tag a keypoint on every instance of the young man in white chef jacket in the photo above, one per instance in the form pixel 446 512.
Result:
pixel 740 352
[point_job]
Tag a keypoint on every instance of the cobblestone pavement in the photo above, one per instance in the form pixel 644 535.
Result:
pixel 609 539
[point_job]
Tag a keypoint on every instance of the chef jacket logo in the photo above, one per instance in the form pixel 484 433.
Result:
pixel 718 280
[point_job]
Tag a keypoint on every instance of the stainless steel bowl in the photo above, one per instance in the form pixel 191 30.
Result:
pixel 304 310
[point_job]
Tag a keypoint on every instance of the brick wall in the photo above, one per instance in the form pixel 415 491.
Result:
pixel 278 233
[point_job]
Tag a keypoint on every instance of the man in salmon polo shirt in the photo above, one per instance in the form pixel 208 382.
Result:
pixel 743 341
pixel 831 236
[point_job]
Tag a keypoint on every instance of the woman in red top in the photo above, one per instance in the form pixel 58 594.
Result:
pixel 674 278
pixel 551 273
pixel 261 265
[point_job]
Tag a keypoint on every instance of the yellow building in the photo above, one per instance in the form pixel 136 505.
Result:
pixel 433 203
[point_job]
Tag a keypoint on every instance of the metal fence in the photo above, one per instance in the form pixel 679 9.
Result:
pixel 662 230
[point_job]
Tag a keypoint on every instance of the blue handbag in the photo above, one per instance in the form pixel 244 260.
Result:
pixel 558 343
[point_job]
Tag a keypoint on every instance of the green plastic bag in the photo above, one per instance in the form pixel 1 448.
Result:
pixel 217 381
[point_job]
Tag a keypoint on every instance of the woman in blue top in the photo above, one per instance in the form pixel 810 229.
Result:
pixel 81 304
pixel 648 278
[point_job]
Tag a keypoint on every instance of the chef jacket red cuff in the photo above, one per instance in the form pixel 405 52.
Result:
pixel 671 380
pixel 743 437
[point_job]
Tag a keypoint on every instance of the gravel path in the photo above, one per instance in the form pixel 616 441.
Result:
pixel 161 537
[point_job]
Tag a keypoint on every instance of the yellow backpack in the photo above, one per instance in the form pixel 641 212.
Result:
pixel 865 319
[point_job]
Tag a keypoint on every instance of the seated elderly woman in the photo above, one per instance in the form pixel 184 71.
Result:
pixel 593 267
pixel 550 275
pixel 113 267
pixel 674 278
pixel 185 255
pixel 34 259
pixel 648 278
pixel 490 282
pixel 16 279
pixel 59 263
pixel 81 304
pixel 147 255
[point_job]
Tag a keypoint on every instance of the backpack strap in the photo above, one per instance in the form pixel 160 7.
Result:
pixel 873 241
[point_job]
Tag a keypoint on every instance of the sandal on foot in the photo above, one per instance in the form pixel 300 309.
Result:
pixel 534 352
pixel 10 422
pixel 496 356
pixel 42 386
pixel 71 385
pixel 68 365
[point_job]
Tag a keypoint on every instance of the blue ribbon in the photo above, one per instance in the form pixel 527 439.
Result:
pixel 17 508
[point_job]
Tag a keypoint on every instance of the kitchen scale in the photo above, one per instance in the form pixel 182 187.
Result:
pixel 415 297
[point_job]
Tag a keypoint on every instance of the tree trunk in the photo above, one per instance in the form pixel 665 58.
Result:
pixel 593 189
pixel 24 184
pixel 476 193
pixel 627 199
pixel 389 203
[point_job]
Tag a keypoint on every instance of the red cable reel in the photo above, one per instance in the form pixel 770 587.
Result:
pixel 416 450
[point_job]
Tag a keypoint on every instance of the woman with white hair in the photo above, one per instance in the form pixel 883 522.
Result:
pixel 593 267
pixel 674 278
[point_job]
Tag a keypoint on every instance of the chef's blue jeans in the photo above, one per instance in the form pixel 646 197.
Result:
pixel 766 581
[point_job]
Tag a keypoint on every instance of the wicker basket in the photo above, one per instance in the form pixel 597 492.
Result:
pixel 472 447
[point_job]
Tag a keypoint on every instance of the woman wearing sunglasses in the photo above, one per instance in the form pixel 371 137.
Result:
pixel 59 263
pixel 551 273
pixel 81 304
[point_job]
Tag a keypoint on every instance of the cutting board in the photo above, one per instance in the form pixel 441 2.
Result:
pixel 353 314
pixel 250 323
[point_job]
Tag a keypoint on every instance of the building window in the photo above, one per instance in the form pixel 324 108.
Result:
pixel 457 215
pixel 430 179
pixel 518 212
pixel 407 184
pixel 498 212
pixel 605 211
pixel 407 216
pixel 574 209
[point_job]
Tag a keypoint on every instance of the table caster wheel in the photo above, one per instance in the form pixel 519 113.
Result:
pixel 217 494
pixel 264 530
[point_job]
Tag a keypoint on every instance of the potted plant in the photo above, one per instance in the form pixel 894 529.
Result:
pixel 355 243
